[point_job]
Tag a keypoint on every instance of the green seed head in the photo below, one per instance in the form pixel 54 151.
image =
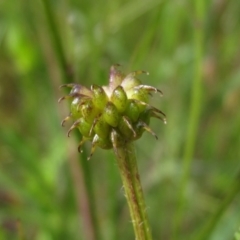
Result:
pixel 119 99
pixel 132 110
pixel 112 115
pixel 84 127
pixel 99 97
pixel 89 110
pixel 102 128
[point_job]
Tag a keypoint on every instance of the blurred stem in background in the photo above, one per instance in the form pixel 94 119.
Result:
pixel 195 109
pixel 209 225
pixel 65 68
pixel 88 207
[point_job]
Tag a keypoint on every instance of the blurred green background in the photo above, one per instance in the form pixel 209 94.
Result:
pixel 190 176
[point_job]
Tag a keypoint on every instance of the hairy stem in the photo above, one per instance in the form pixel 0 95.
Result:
pixel 126 159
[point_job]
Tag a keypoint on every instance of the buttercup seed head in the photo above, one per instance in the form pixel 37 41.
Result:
pixel 112 115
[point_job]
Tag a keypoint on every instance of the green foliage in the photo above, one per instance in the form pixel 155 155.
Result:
pixel 44 187
pixel 237 235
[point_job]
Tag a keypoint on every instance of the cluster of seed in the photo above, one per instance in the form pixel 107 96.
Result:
pixel 112 115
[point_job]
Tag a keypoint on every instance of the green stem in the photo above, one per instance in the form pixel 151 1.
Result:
pixel 126 159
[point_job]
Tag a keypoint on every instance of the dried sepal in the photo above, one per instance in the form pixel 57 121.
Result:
pixel 84 139
pixel 75 125
pixel 153 114
pixel 127 128
pixel 149 89
pixel 77 88
pixel 143 125
pixel 65 119
pixel 116 76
